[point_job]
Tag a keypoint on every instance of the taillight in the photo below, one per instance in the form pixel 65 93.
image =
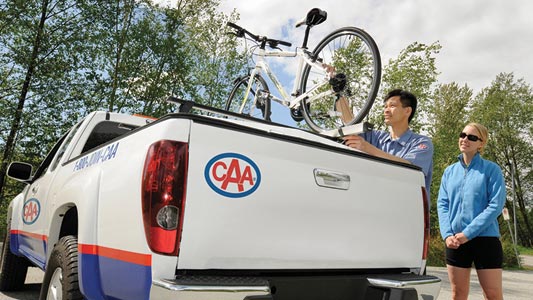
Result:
pixel 163 195
pixel 426 223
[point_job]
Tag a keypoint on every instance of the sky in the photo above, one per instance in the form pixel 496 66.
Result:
pixel 479 38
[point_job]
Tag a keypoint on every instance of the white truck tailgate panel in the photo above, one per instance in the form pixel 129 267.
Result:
pixel 289 222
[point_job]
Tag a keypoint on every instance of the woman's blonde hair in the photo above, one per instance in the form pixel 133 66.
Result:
pixel 483 134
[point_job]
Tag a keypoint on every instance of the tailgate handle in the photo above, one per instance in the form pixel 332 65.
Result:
pixel 332 179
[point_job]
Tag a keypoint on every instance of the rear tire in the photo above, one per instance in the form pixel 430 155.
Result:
pixel 13 269
pixel 61 275
pixel 352 52
pixel 259 110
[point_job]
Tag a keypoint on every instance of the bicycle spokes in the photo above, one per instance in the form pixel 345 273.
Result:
pixel 353 58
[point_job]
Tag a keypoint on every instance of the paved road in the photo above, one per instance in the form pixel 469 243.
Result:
pixel 517 285
pixel 32 288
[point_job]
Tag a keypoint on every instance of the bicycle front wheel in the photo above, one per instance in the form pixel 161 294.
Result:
pixel 255 104
pixel 353 53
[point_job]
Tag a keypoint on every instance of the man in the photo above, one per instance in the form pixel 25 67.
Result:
pixel 400 144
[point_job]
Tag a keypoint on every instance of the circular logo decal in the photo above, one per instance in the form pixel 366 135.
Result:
pixel 31 211
pixel 232 175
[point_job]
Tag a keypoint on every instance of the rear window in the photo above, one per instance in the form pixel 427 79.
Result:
pixel 104 132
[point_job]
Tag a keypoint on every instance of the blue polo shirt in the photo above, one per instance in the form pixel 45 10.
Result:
pixel 416 148
pixel 471 198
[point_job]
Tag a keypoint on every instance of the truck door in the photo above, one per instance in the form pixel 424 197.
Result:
pixel 32 236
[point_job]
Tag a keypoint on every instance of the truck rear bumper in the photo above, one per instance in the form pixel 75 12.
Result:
pixel 198 288
pixel 386 287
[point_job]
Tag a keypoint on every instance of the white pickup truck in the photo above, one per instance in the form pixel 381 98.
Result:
pixel 199 207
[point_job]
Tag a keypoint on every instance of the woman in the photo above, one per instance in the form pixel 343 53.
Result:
pixel 471 197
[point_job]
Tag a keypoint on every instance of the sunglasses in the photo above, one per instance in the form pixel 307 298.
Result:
pixel 471 137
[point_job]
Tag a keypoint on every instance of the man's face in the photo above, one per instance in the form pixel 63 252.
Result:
pixel 394 112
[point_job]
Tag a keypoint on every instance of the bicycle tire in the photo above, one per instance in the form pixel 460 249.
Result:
pixel 259 109
pixel 354 53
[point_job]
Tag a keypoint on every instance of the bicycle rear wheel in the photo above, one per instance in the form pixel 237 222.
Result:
pixel 353 53
pixel 256 104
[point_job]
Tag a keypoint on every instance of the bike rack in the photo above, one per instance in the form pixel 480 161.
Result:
pixel 186 106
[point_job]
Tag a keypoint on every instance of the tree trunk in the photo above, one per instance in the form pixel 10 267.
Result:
pixel 15 124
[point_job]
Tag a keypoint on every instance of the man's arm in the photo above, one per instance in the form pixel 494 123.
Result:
pixel 359 143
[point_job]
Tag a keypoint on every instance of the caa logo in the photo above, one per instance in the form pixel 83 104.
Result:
pixel 31 211
pixel 232 175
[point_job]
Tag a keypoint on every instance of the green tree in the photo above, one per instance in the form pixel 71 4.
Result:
pixel 448 119
pixel 144 53
pixel 413 70
pixel 37 41
pixel 62 59
pixel 506 108
pixel 217 61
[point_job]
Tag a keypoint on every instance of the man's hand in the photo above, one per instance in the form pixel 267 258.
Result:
pixel 356 142
pixel 330 70
pixel 343 107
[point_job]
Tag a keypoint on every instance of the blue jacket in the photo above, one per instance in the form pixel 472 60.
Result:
pixel 471 198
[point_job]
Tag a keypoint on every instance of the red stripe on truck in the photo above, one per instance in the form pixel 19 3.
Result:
pixel 126 256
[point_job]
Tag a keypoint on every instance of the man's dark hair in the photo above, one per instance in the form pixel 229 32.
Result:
pixel 406 98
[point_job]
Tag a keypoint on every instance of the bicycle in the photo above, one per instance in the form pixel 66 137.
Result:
pixel 335 86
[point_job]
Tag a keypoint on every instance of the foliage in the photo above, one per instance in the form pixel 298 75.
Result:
pixel 448 119
pixel 63 59
pixel 509 255
pixel 437 251
pixel 215 66
pixel 414 70
pixel 152 52
pixel 39 42
pixel 506 108
pixel 525 250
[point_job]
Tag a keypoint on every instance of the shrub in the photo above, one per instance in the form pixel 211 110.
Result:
pixel 437 252
pixel 509 255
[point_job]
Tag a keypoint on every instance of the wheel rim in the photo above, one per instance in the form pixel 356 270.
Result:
pixel 353 53
pixel 259 110
pixel 55 289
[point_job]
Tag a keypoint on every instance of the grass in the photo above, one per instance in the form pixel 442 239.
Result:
pixel 525 251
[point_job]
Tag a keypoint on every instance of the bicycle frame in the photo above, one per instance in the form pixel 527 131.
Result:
pixel 293 101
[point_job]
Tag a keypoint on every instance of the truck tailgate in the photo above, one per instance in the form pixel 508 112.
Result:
pixel 262 201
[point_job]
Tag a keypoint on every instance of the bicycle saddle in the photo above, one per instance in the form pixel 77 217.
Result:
pixel 316 16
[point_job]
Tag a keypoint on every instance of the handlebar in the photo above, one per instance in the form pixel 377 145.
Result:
pixel 272 43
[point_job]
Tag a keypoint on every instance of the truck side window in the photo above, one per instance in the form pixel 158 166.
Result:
pixel 64 146
pixel 104 132
pixel 49 157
